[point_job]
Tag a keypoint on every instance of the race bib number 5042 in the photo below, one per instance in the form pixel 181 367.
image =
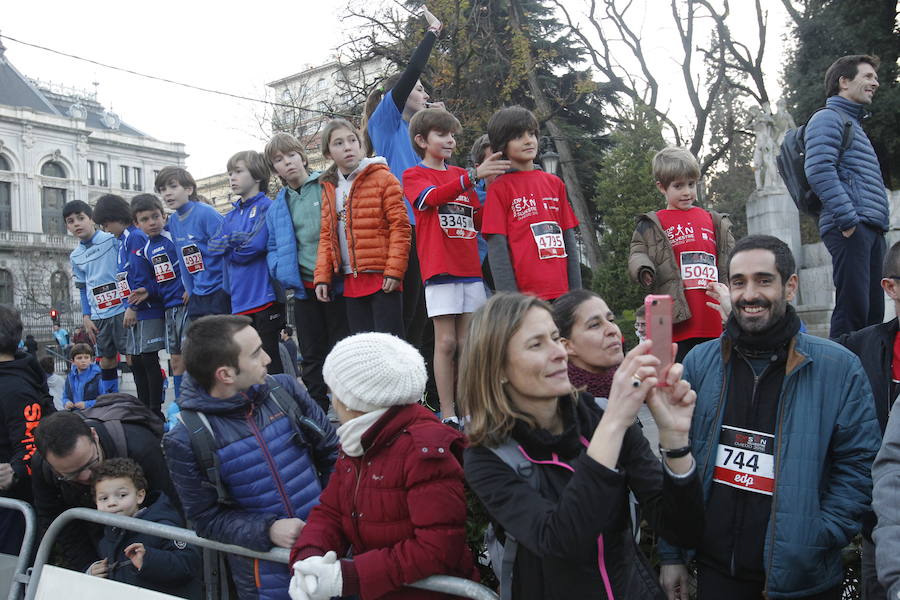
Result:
pixel 745 459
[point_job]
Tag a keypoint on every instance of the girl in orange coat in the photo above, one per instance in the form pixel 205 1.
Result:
pixel 365 233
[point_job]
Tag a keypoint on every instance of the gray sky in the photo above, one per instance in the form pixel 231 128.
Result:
pixel 224 46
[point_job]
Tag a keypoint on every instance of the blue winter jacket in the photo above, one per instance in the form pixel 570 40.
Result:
pixel 826 438
pixel 270 468
pixel 242 240
pixel 852 190
pixel 282 245
pixel 82 387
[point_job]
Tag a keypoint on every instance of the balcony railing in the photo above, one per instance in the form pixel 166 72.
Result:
pixel 27 239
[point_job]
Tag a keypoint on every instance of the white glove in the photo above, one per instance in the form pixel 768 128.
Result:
pixel 296 589
pixel 321 578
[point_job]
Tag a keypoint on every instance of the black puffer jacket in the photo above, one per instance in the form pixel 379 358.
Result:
pixel 560 528
pixel 169 567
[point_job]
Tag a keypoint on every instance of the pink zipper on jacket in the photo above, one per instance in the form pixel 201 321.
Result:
pixel 601 562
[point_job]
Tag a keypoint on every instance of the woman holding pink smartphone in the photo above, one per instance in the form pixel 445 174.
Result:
pixel 554 470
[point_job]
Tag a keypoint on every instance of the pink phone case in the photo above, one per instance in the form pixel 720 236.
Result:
pixel 659 331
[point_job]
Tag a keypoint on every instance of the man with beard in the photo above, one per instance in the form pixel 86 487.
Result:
pixel 784 433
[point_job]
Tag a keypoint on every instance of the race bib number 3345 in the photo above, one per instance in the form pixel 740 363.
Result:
pixel 745 459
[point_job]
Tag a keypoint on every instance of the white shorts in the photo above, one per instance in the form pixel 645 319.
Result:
pixel 454 298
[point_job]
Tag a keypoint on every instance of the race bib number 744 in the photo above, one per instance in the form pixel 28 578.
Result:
pixel 745 459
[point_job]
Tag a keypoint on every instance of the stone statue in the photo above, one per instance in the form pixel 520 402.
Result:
pixel 783 121
pixel 765 172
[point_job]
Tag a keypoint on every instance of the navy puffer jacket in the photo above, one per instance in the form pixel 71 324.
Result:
pixel 266 472
pixel 852 190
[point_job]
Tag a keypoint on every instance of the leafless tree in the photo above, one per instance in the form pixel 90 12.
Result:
pixel 614 41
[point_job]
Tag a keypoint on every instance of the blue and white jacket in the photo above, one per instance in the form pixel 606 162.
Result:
pixel 852 189
pixel 191 228
pixel 94 267
pixel 267 473
pixel 243 241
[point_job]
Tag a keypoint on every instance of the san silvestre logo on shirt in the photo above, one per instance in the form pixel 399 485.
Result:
pixel 523 208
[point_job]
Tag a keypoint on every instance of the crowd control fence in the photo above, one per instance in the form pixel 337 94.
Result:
pixel 436 583
pixel 13 569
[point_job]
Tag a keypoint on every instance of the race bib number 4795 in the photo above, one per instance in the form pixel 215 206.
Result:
pixel 745 459
pixel 548 237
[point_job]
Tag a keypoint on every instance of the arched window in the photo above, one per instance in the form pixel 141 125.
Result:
pixel 59 292
pixel 52 168
pixel 52 202
pixel 6 287
pixel 4 164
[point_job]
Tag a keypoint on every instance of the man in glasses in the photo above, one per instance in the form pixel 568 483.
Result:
pixel 68 448
pixel 24 401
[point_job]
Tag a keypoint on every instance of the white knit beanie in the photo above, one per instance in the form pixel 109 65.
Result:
pixel 369 371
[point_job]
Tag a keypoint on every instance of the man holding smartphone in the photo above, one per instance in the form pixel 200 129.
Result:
pixel 785 434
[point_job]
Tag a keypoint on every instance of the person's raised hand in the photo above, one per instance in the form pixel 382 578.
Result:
pixel 721 295
pixel 633 380
pixel 492 166
pixel 672 407
pixel 434 24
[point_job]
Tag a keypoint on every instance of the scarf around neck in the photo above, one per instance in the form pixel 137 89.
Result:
pixel 773 338
pixel 351 432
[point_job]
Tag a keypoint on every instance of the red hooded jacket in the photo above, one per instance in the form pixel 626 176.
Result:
pixel 401 506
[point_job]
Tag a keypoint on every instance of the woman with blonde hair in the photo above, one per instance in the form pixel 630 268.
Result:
pixel 554 470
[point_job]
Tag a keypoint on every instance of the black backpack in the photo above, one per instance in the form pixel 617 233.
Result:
pixel 307 434
pixel 791 165
pixel 114 411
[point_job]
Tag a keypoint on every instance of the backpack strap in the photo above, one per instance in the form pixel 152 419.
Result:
pixel 509 453
pixel 846 130
pixel 203 443
pixel 310 433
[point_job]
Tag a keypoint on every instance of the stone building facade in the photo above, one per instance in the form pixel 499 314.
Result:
pixel 58 145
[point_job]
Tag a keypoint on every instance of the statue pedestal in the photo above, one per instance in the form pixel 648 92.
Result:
pixel 771 211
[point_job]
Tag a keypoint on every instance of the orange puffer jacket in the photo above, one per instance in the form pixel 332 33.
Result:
pixel 378 231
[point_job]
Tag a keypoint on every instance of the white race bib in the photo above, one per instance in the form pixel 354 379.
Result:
pixel 106 295
pixel 193 260
pixel 745 459
pixel 162 268
pixel 122 284
pixel 698 269
pixel 548 237
pixel 457 220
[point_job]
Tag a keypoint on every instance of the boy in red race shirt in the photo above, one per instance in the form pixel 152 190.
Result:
pixel 528 222
pixel 678 250
pixel 448 215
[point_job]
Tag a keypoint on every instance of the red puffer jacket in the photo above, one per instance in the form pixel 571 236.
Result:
pixel 401 506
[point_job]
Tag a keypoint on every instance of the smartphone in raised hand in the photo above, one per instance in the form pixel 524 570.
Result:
pixel 659 331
